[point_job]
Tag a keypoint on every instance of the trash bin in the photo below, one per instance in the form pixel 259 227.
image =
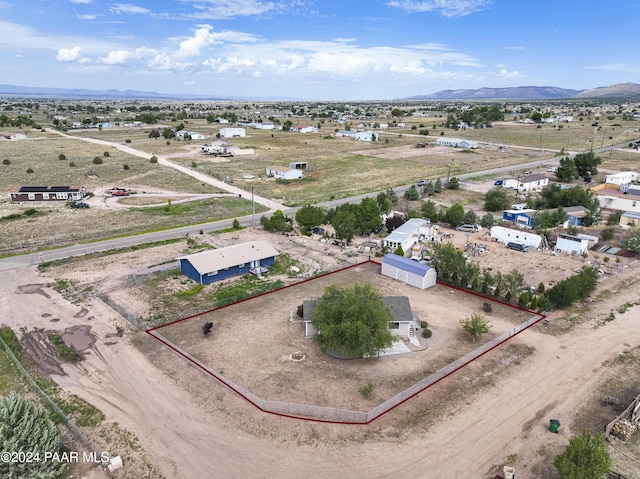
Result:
pixel 509 472
pixel 554 425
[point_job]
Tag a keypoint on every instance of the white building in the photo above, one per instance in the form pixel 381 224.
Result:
pixel 622 178
pixel 233 132
pixel 194 135
pixel 407 235
pixel 572 244
pixel 456 143
pixel 407 271
pixel 619 201
pixel 508 235
pixel 284 173
pixel 532 182
pixel 265 125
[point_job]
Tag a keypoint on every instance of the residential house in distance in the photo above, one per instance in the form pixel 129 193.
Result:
pixel 626 198
pixel 622 178
pixel 456 143
pixel 533 182
pixel 232 132
pixel 572 244
pixel 357 135
pixel 48 193
pixel 213 265
pixel 523 218
pixel 407 234
pixel 303 129
pixel 194 135
pixel 629 218
pixel 284 173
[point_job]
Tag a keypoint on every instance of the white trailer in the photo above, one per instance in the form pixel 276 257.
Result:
pixel 508 235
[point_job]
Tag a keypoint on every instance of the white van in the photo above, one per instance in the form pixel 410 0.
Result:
pixel 469 228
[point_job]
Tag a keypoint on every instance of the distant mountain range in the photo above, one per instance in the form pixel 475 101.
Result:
pixel 94 94
pixel 619 90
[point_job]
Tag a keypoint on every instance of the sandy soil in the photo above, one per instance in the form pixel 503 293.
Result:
pixel 191 427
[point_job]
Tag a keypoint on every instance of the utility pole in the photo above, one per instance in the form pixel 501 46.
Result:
pixel 253 209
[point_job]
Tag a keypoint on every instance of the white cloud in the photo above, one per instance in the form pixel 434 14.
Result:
pixel 120 8
pixel 504 73
pixel 447 8
pixel 86 17
pixel 68 54
pixel 85 2
pixel 616 67
pixel 515 48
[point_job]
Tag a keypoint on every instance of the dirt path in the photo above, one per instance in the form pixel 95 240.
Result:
pixel 163 160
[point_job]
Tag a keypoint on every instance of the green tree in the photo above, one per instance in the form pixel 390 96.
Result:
pixel 475 325
pixel 453 183
pixel 310 216
pixel 437 187
pixel 399 251
pixel 567 170
pixel 384 202
pixel 587 163
pixel 278 222
pixel 470 218
pixel 352 321
pixel 26 427
pixel 429 188
pixel 448 261
pixel 345 224
pixel 496 199
pixel 412 193
pixel 368 216
pixel 428 210
pixel 455 215
pixel 487 220
pixel 586 457
pixel 633 240
pixel 155 134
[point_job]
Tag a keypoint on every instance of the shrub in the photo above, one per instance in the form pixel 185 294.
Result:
pixel 154 159
pixel 6 162
pixel 29 170
pixel 194 164
pixel 366 390
pixel 125 167
pixel 300 311
pixel 30 212
pixel 487 307
pixel 62 157
pixel 426 333
pixel 71 163
pixel 424 324
pixel 97 160
pixel 106 154
pixel 236 224
pixel 127 140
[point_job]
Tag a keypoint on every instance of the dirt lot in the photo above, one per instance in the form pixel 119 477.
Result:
pixel 492 413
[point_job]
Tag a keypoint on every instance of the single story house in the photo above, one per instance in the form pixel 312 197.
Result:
pixel 456 143
pixel 194 135
pixel 265 125
pixel 618 200
pixel 232 132
pixel 303 129
pixel 572 244
pixel 346 133
pixel 357 135
pixel 48 193
pixel 532 182
pixel 284 173
pixel 622 178
pixel 407 271
pixel 508 235
pixel 213 265
pixel 407 234
pixel 511 183
pixel 629 218
pixel 524 218
pixel 403 325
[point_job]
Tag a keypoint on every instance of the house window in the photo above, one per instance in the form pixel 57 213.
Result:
pixel 633 204
pixel 395 325
pixel 61 196
pixel 212 273
pixel 45 196
pixel 32 196
pixel 241 265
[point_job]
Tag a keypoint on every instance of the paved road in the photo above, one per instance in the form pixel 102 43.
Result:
pixel 247 221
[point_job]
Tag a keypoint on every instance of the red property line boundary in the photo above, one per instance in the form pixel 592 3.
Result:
pixel 339 416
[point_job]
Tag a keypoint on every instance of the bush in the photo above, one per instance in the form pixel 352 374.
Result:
pixel 426 333
pixel 6 162
pixel 154 159
pixel 71 163
pixel 106 154
pixel 97 160
pixel 424 324
pixel 62 157
pixel 366 390
pixel 127 140
pixel 300 311
pixel 487 307
pixel 236 224
pixel 29 170
pixel 125 167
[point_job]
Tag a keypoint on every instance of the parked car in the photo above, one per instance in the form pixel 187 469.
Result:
pixel 552 169
pixel 117 191
pixel 469 228
pixel 518 247
pixel 79 204
pixel 317 230
pixel 498 183
pixel 424 182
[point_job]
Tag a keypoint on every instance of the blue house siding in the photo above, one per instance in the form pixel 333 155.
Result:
pixel 187 269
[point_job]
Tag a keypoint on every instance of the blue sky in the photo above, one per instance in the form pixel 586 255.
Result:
pixel 318 49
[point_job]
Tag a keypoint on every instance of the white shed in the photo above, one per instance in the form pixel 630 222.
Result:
pixel 572 244
pixel 407 271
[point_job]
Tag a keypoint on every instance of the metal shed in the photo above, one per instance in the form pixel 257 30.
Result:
pixel 416 274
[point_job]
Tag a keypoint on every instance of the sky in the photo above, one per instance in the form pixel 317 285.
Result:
pixel 318 49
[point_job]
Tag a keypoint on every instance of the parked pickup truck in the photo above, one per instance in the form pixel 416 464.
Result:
pixel 116 191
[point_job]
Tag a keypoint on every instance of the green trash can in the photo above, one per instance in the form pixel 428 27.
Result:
pixel 554 425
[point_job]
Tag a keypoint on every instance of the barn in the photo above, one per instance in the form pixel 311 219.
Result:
pixel 213 265
pixel 415 274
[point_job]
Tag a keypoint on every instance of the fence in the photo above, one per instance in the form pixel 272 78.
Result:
pixel 312 412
